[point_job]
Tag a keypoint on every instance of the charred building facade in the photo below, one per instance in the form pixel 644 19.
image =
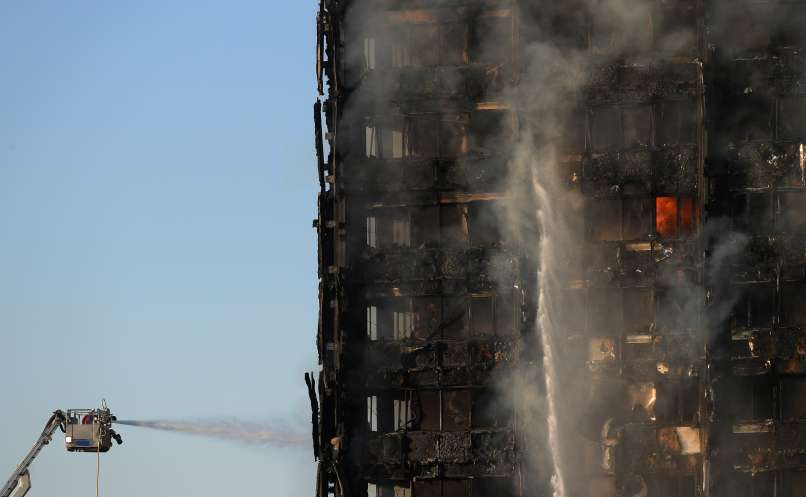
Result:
pixel 562 248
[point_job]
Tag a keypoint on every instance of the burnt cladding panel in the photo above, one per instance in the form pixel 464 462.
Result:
pixel 424 271
pixel 414 245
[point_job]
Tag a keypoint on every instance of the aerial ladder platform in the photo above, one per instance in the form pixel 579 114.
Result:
pixel 85 430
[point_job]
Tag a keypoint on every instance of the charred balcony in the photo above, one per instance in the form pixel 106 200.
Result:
pixel 445 151
pixel 637 83
pixel 437 364
pixel 423 455
pixel 383 178
pixel 641 263
pixel 763 123
pixel 428 433
pixel 664 451
pixel 404 271
pixel 450 88
pixel 454 247
pixel 763 431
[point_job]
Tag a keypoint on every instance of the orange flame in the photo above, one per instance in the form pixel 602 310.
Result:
pixel 666 216
pixel 674 217
pixel 686 216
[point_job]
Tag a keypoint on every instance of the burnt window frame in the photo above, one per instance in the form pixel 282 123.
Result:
pixel 617 42
pixel 441 491
pixel 619 141
pixel 785 210
pixel 761 484
pixel 458 400
pixel 385 309
pixel 667 23
pixel 671 485
pixel 672 301
pixel 746 123
pixel 376 129
pixel 747 212
pixel 631 328
pixel 438 399
pixel 456 318
pixel 750 305
pixel 497 487
pixel 443 30
pixel 482 400
pixel 657 126
pixel 476 303
pixel 595 217
pixel 783 133
pixel 484 216
pixel 388 406
pixel 677 402
pixel 604 302
pixel 389 489
pixel 784 394
pixel 458 234
pixel 403 47
pixel 793 293
pixel 489 131
pixel 679 232
pixel 416 146
pixel 787 487
pixel 758 392
pixel 502 314
pixel 383 228
pixel 679 107
pixel 474 43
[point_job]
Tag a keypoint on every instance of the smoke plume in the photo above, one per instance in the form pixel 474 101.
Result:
pixel 545 193
pixel 247 432
pixel 549 218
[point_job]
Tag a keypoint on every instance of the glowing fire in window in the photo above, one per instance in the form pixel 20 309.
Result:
pixel 674 217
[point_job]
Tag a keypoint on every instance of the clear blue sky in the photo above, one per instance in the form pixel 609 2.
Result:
pixel 157 185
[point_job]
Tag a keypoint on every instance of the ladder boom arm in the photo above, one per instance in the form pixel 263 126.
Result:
pixel 57 420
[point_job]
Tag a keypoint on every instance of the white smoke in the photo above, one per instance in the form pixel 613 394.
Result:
pixel 543 193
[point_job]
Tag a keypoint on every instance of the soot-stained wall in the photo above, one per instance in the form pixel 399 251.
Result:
pixel 561 248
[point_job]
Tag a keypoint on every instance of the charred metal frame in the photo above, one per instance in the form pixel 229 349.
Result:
pixel 681 158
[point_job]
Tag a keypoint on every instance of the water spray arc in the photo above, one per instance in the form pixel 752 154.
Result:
pixel 546 327
pixel 247 432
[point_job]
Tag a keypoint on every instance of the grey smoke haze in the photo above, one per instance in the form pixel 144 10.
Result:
pixel 550 89
pixel 544 212
pixel 247 432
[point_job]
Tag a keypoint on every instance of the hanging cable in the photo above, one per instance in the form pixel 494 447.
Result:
pixel 98 470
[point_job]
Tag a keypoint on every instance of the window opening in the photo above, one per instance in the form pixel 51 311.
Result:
pixel 392 144
pixel 401 491
pixel 402 413
pixel 674 216
pixel 369 54
pixel 372 232
pixel 389 491
pixel 403 324
pixel 456 410
pixel 428 410
pixel 372 413
pixel 401 232
pixel 370 140
pixel 372 322
pixel 481 315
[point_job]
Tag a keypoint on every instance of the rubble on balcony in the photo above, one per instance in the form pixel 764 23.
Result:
pixel 419 454
pixel 476 362
pixel 610 84
pixel 473 269
pixel 764 165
